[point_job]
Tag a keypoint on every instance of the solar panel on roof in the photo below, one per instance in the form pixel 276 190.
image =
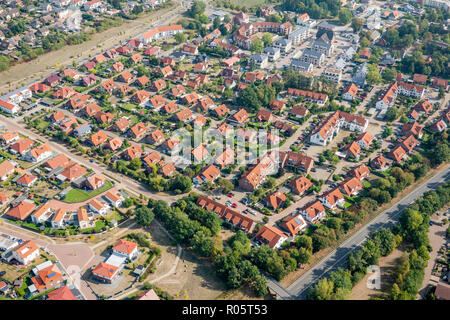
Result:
pixel 51 275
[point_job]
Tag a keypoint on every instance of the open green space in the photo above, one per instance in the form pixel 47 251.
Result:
pixel 78 195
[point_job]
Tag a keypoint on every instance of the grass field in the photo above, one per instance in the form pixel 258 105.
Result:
pixel 247 3
pixel 77 195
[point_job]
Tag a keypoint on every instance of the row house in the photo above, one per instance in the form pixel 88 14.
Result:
pixel 314 97
pixel 328 128
pixel 314 57
pixel 296 161
pixel 256 174
pixel 160 32
pixel 227 214
pixel 407 89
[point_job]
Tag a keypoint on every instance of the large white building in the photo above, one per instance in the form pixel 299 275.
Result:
pixel 333 75
pixel 26 252
pixel 299 35
pixel 406 89
pixel 8 107
pixel 438 4
pixel 160 32
pixel 329 128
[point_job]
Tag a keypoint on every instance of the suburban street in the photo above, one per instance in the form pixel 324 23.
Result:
pixel 338 257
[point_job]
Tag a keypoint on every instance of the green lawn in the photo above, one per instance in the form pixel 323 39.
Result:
pixel 99 224
pixel 114 215
pixel 77 195
pixel 248 3
pixel 367 184
pixel 128 106
pixel 347 204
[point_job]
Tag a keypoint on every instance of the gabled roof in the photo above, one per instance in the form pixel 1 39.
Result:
pixel 105 270
pixel 333 196
pixel 209 173
pixel 360 172
pixel 62 293
pixel 124 246
pixel 313 209
pixel 98 138
pixel 73 172
pixel 300 184
pixel 26 248
pixel 274 200
pixel 351 185
pixel 122 124
pixel 6 167
pixel 270 235
pixel 293 224
pixel 22 145
pixel 26 179
pixel 152 158
pixel 134 151
pixel 115 143
pixel 241 116
pixel 22 210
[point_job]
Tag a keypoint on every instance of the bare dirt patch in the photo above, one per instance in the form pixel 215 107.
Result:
pixel 387 268
pixel 194 279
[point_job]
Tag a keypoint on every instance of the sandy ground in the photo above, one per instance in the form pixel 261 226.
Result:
pixel 193 279
pixel 387 267
pixel 437 236
pixel 25 73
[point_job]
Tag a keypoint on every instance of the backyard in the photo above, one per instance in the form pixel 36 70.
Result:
pixel 78 195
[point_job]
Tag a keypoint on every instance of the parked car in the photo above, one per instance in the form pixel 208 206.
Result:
pixel 234 205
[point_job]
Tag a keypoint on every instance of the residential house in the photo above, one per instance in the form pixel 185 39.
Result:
pixel 21 210
pixel 351 186
pixel 207 174
pixel 332 199
pixel 121 125
pixel 97 207
pixel 379 162
pixel 300 185
pixel 296 161
pixel 135 151
pixel 239 118
pixel 114 198
pixel 21 147
pixel 95 181
pixel 167 170
pixel 364 140
pixel 6 169
pixel 275 200
pixel 105 272
pixel 350 92
pixel 26 252
pixel 126 249
pixel 236 219
pixel 271 236
pixel 138 131
pixel 360 172
pixel 294 224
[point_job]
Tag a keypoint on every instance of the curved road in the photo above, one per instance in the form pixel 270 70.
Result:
pixel 338 257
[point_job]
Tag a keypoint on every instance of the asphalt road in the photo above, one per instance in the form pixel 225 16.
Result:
pixel 338 258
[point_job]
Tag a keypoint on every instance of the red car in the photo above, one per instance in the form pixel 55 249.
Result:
pixel 234 205
pixel 230 195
